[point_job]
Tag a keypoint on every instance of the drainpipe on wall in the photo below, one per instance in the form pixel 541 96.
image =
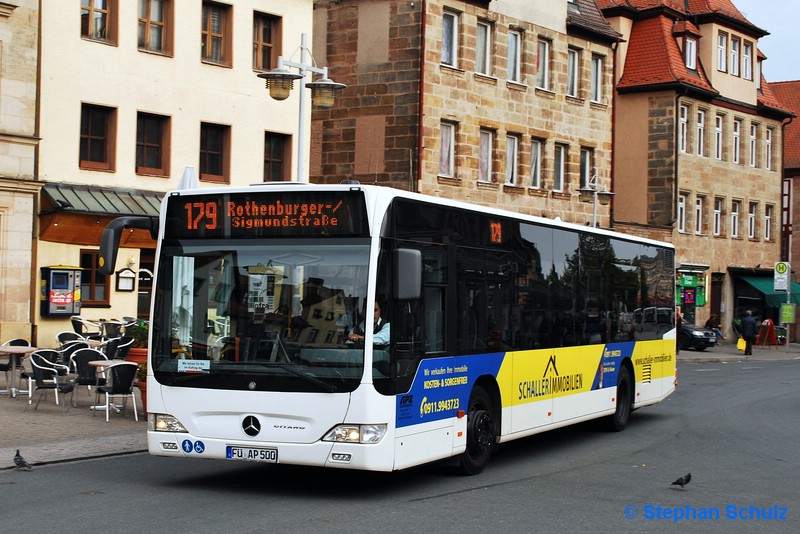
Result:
pixel 614 47
pixel 787 239
pixel 420 140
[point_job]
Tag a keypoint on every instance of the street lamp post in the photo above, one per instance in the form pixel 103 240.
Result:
pixel 280 82
pixel 594 192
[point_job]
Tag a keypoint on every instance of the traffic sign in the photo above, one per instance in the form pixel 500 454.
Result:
pixel 782 272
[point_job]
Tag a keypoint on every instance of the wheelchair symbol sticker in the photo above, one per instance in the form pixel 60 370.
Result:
pixel 199 447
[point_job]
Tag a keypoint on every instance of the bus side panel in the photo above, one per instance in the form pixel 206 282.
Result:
pixel 654 369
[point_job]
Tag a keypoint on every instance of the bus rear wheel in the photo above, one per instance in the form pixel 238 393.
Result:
pixel 481 433
pixel 622 414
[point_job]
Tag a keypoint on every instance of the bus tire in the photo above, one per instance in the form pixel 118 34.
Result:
pixel 481 433
pixel 622 413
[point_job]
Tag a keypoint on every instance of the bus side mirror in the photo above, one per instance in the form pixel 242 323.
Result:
pixel 407 274
pixel 109 241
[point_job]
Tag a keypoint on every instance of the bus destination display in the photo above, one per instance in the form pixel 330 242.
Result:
pixel 265 214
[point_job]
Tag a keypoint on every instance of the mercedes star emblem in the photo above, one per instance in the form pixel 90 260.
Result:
pixel 251 425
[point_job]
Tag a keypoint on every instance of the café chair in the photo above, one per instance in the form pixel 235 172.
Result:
pixel 7 366
pixel 121 377
pixel 85 374
pixel 110 347
pixel 66 350
pixel 125 344
pixel 81 326
pixel 46 373
pixel 66 336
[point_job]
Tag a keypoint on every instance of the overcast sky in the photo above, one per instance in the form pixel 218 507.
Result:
pixel 779 18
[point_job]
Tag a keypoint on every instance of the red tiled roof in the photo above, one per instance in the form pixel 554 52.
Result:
pixel 720 7
pixel 695 7
pixel 684 26
pixel 788 94
pixel 654 58
pixel 587 16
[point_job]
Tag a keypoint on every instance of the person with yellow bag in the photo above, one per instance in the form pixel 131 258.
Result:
pixel 748 333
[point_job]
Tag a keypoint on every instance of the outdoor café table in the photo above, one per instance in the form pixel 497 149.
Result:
pixel 13 352
pixel 103 365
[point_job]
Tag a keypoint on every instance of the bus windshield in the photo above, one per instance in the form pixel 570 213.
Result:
pixel 265 315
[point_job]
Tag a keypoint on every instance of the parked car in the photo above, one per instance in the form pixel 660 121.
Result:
pixel 696 337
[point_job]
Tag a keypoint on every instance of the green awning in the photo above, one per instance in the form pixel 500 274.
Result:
pixel 766 285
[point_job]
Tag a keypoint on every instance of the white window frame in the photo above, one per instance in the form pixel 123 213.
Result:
pixel 447 149
pixel 690 53
pixel 559 167
pixel 587 164
pixel 747 61
pixel 768 210
pixel 573 72
pixel 450 37
pixel 682 213
pixel 753 141
pixel 483 48
pixel 683 128
pixel 597 79
pixel 701 132
pixel 722 52
pixel 699 203
pixel 718 124
pixel 736 45
pixel 514 56
pixel 768 150
pixel 735 206
pixel 543 64
pixel 485 155
pixel 737 140
pixel 718 216
pixel 536 163
pixel 752 213
pixel 512 159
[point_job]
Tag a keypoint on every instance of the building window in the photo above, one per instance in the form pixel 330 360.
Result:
pixel 587 162
pixel 690 53
pixel 597 79
pixel 722 52
pixel 681 213
pixel 752 212
pixel 543 64
pixel 718 121
pixel 98 132
pixel 768 222
pixel 514 56
pixel 683 128
pixel 736 45
pixel 449 39
pixel 95 285
pixel 214 152
pixel 573 64
pixel 768 150
pixel 512 159
pixel 701 132
pixel 536 163
pixel 447 141
pixel 559 167
pixel 99 20
pixel 753 139
pixel 216 33
pixel 483 48
pixel 485 154
pixel 276 157
pixel 266 41
pixel 152 144
pixel 735 208
pixel 699 205
pixel 747 61
pixel 718 216
pixel 737 141
pixel 155 26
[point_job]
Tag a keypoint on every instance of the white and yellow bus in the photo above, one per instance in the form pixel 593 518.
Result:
pixel 495 326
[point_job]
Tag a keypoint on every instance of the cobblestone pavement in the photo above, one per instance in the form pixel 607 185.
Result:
pixel 52 434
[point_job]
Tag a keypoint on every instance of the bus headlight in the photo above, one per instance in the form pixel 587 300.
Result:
pixel 356 433
pixel 161 422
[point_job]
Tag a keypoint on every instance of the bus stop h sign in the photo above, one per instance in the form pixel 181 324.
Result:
pixel 782 272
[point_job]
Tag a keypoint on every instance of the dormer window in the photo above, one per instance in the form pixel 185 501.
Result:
pixel 690 53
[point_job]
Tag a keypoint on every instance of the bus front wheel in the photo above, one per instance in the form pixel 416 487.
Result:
pixel 481 433
pixel 622 414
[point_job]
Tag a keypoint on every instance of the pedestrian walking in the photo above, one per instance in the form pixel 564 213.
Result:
pixel 748 332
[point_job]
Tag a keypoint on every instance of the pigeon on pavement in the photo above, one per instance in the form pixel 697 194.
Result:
pixel 685 479
pixel 20 462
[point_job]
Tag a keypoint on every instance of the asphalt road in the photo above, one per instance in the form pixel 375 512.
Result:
pixel 733 426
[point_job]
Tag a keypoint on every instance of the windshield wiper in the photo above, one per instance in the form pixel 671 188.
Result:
pixel 330 388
